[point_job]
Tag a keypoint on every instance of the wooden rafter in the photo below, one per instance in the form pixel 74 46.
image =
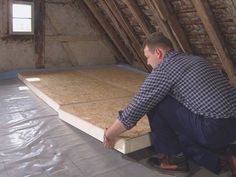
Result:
pixel 167 15
pixel 139 16
pixel 128 29
pixel 109 30
pixel 207 18
pixel 40 33
pixel 165 29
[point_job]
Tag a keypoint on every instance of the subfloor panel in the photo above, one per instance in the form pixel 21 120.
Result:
pixel 73 87
pixel 101 116
pixel 90 99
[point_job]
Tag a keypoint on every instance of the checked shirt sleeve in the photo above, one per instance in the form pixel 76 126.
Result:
pixel 155 87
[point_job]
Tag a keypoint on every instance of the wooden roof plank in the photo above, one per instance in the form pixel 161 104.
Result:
pixel 207 18
pixel 40 33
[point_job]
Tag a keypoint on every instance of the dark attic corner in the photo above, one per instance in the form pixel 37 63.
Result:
pixel 118 88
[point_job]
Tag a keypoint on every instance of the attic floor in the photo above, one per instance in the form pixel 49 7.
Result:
pixel 36 143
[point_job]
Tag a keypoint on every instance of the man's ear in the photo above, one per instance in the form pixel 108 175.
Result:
pixel 159 52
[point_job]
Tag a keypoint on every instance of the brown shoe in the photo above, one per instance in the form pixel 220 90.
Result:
pixel 231 158
pixel 169 163
pixel 232 163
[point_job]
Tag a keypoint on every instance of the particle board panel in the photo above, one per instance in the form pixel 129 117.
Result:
pixel 73 87
pixel 126 79
pixel 103 114
pixel 90 99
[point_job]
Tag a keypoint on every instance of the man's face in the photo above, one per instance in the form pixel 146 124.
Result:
pixel 154 58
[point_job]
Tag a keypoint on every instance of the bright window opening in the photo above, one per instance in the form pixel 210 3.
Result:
pixel 21 18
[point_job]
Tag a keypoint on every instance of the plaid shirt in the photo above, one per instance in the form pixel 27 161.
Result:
pixel 192 81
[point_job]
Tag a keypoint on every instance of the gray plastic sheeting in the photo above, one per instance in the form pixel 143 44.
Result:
pixel 33 140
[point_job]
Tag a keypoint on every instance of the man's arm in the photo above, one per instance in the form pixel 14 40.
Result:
pixel 155 87
pixel 112 133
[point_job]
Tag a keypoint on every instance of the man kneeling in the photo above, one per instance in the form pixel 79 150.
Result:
pixel 191 108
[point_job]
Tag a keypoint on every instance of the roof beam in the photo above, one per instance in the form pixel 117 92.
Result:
pixel 39 33
pixel 109 30
pixel 168 16
pixel 207 18
pixel 4 18
pixel 139 16
pixel 128 29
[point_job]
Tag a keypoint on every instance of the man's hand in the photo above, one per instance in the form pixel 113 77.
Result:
pixel 111 134
pixel 108 143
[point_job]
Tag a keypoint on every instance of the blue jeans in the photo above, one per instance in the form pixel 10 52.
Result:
pixel 176 129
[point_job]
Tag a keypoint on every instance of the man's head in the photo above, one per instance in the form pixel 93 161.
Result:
pixel 155 47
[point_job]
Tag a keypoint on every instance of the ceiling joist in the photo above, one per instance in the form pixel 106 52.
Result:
pixel 207 18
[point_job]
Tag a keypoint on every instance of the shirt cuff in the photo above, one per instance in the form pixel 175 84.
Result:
pixel 127 124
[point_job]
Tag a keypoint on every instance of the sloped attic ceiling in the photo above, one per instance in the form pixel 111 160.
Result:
pixel 202 27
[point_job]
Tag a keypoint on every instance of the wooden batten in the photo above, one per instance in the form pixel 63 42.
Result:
pixel 139 16
pixel 128 30
pixel 109 30
pixel 207 18
pixel 167 15
pixel 39 33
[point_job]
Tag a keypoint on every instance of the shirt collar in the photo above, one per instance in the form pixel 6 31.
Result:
pixel 170 54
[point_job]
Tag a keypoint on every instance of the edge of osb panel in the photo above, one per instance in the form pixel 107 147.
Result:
pixel 123 145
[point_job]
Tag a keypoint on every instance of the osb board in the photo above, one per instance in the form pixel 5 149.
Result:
pixel 104 113
pixel 124 145
pixel 74 86
pixel 119 77
pixel 90 99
